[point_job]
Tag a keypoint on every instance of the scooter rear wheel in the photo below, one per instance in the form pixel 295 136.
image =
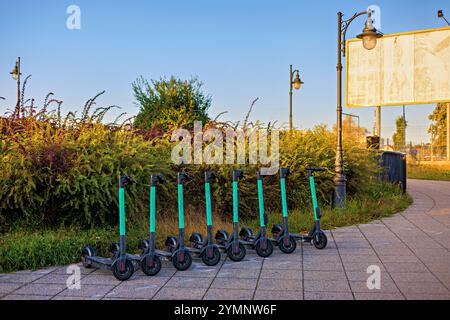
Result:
pixel 181 265
pixel 320 240
pixel 287 244
pixel 123 269
pixel 264 252
pixel 236 256
pixel 151 265
pixel 212 260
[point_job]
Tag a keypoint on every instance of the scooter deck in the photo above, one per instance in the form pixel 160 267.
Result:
pixel 100 262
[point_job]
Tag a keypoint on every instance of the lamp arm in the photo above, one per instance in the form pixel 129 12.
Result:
pixel 345 25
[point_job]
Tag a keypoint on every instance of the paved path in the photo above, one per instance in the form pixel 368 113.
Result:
pixel 412 250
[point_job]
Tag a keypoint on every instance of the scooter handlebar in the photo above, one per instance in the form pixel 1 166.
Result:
pixel 238 175
pixel 157 178
pixel 182 176
pixel 125 179
pixel 284 172
pixel 315 169
pixel 210 175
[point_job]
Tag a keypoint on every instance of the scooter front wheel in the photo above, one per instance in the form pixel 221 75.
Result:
pixel 266 250
pixel 211 256
pixel 287 244
pixel 151 265
pixel 236 255
pixel 181 260
pixel 123 269
pixel 320 240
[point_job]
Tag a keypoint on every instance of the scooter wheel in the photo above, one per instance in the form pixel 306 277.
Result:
pixel 151 265
pixel 236 256
pixel 212 260
pixel 185 263
pixel 123 269
pixel 287 244
pixel 88 251
pixel 320 240
pixel 264 252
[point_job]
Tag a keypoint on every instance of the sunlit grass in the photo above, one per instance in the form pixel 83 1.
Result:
pixel 429 171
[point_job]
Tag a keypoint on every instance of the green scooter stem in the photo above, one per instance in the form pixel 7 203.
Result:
pixel 313 197
pixel 261 201
pixel 208 204
pixel 283 197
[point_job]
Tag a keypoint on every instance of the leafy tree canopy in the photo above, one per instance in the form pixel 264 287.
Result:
pixel 169 103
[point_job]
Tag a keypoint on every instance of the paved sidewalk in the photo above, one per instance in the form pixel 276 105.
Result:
pixel 412 249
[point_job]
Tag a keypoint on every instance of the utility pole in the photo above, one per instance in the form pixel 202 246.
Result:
pixel 378 121
pixel 404 129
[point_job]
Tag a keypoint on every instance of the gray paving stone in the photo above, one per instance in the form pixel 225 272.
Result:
pixel 413 277
pixel 188 282
pixel 279 284
pixel 24 277
pixel 6 288
pixel 279 295
pixel 426 296
pixel 326 285
pixel 324 275
pixel 328 296
pixel 405 267
pixel 41 289
pixel 53 278
pixel 102 279
pixel 281 274
pixel 422 287
pixel 180 294
pixel 386 287
pixel 378 296
pixel 322 266
pixel 90 291
pixel 230 294
pixel 25 297
pixel 234 283
pixel 132 291
pixel 282 265
pixel 238 273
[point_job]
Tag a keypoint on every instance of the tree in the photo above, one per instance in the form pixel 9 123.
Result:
pixel 169 103
pixel 399 136
pixel 438 128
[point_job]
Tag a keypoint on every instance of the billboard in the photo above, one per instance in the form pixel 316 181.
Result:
pixel 404 68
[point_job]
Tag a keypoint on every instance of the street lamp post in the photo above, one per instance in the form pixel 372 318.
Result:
pixel 295 83
pixel 16 76
pixel 369 38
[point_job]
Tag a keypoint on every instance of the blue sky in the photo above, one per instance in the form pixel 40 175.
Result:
pixel 240 50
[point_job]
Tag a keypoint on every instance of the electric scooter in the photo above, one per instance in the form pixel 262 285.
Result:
pixel 181 258
pixel 233 246
pixel 315 235
pixel 207 250
pixel 121 263
pixel 261 243
pixel 151 258
pixel 285 240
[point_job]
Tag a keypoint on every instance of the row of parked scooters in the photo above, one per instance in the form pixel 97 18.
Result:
pixel 122 264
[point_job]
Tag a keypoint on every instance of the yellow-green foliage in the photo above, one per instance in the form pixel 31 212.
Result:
pixel 54 174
